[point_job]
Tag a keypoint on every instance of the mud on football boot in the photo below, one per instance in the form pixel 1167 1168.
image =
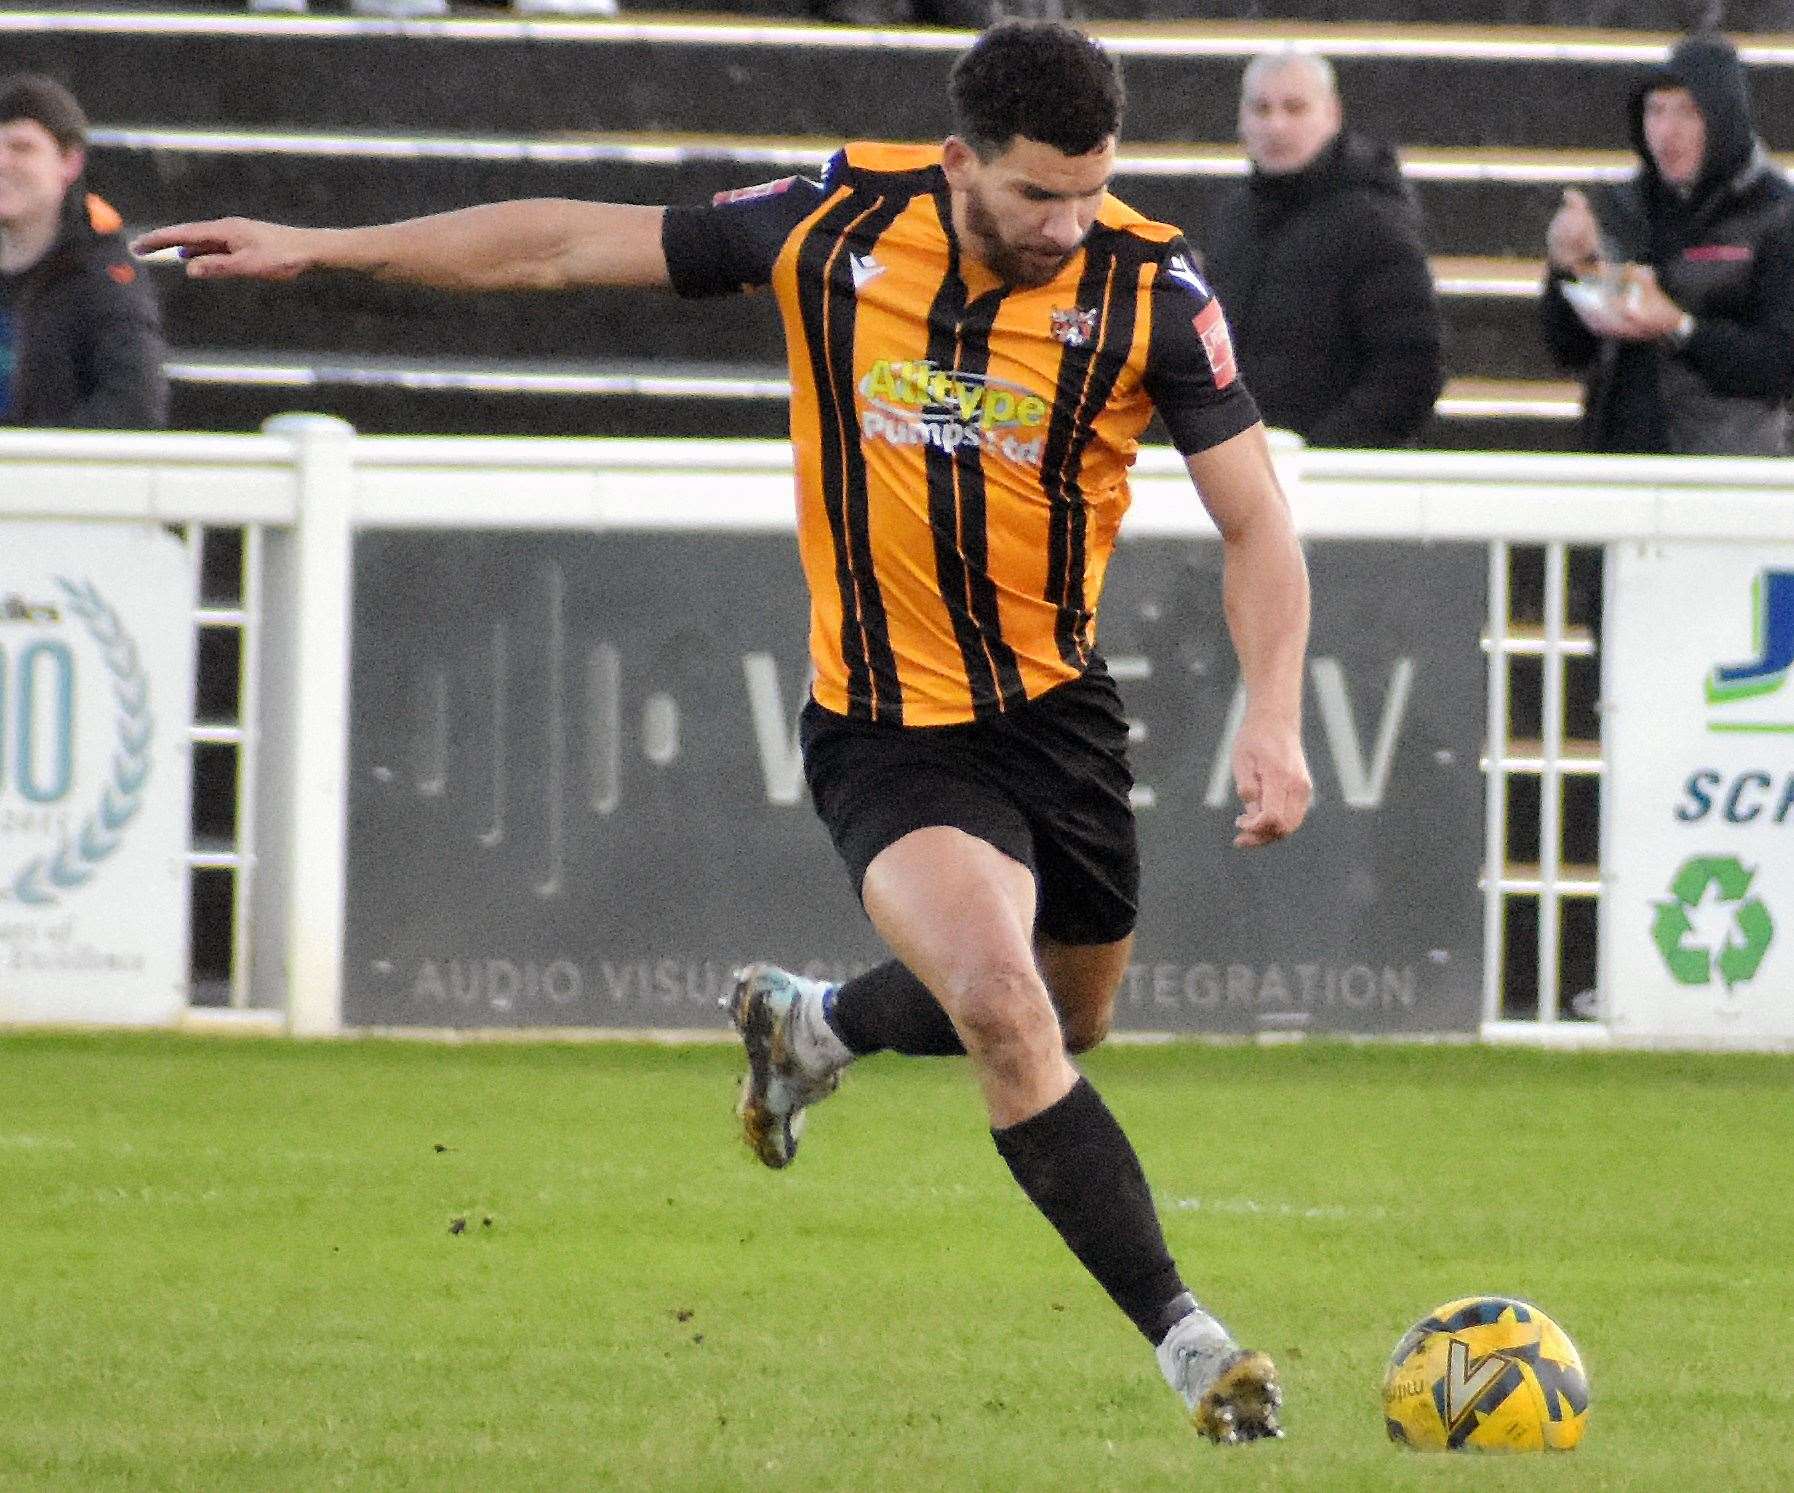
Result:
pixel 1239 1400
pixel 1231 1392
pixel 778 1087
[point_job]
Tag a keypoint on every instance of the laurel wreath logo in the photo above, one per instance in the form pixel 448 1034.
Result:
pixel 74 863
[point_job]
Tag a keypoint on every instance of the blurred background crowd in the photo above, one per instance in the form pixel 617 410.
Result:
pixel 1424 233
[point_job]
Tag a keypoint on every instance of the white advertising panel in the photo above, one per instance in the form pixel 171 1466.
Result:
pixel 96 671
pixel 1697 920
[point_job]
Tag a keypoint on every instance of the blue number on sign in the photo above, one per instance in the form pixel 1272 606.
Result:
pixel 34 784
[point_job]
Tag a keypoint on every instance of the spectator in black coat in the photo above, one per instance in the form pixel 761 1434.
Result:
pixel 1685 332
pixel 1320 261
pixel 80 340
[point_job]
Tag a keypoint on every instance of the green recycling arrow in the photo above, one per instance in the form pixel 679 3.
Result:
pixel 1739 961
pixel 1691 881
pixel 1688 966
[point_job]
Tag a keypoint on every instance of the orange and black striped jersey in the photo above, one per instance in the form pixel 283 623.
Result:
pixel 962 445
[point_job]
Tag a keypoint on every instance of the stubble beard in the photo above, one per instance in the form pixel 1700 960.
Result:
pixel 1008 263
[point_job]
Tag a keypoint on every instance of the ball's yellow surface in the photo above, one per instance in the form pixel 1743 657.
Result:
pixel 1486 1373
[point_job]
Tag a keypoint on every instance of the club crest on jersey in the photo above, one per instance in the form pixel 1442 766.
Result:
pixel 1073 325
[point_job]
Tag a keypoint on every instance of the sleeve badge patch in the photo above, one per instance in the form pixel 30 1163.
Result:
pixel 754 194
pixel 1211 327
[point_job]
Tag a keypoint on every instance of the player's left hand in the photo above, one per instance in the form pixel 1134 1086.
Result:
pixel 1271 776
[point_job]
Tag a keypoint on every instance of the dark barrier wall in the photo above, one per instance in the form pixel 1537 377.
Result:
pixel 576 799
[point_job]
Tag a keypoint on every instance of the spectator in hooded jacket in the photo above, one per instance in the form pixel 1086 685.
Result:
pixel 1691 347
pixel 80 342
pixel 1320 261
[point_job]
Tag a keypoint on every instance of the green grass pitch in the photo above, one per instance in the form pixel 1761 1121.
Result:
pixel 234 1265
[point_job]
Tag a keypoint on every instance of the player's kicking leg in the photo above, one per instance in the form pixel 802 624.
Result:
pixel 960 913
pixel 792 1031
pixel 1231 1392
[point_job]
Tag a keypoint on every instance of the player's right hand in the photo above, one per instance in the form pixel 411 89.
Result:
pixel 227 248
pixel 1270 774
pixel 1574 238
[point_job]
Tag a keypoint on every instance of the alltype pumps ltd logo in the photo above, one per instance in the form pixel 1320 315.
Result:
pixel 916 403
pixel 67 793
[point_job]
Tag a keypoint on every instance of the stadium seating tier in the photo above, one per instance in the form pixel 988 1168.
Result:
pixel 332 121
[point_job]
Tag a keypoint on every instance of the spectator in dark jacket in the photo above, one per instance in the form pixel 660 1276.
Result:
pixel 1320 262
pixel 1685 322
pixel 80 343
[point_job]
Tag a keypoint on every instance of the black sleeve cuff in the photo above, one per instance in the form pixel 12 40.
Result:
pixel 1196 429
pixel 697 253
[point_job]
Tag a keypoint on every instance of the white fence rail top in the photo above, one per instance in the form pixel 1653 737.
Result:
pixel 461 482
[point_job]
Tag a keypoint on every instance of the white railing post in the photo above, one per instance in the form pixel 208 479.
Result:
pixel 1551 781
pixel 1495 788
pixel 303 829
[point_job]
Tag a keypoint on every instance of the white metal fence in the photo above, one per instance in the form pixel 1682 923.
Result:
pixel 283 506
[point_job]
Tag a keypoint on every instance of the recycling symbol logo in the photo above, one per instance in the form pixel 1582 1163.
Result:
pixel 1710 926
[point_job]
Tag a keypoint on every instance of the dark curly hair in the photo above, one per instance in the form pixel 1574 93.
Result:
pixel 1040 79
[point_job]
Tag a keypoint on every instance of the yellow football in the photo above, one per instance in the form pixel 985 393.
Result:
pixel 1486 1373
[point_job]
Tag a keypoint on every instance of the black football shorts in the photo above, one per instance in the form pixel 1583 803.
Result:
pixel 1046 783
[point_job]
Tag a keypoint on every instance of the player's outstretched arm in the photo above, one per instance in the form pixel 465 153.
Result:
pixel 538 244
pixel 1265 593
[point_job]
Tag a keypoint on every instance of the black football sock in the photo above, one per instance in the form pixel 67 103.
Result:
pixel 889 1009
pixel 1078 1167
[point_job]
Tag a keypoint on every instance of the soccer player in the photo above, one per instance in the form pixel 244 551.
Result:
pixel 978 333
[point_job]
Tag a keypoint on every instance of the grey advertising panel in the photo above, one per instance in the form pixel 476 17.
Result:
pixel 576 797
